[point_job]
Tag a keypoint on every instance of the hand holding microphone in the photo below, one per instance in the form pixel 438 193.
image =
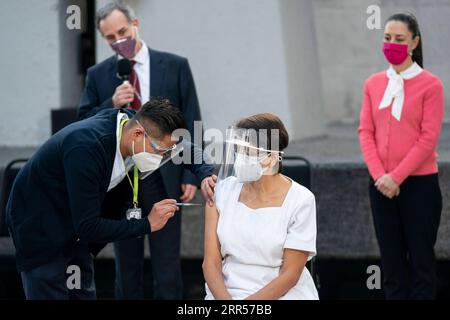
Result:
pixel 124 94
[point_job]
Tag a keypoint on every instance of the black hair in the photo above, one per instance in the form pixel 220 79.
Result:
pixel 162 115
pixel 413 26
pixel 267 122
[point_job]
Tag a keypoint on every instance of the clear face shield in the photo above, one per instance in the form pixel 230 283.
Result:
pixel 248 156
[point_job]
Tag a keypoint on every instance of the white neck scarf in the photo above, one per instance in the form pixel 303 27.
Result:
pixel 394 89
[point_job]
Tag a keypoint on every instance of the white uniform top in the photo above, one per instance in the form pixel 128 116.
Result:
pixel 252 240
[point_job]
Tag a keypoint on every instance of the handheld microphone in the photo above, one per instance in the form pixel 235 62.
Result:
pixel 124 68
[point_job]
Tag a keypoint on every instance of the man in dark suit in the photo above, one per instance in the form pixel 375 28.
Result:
pixel 156 74
pixel 54 212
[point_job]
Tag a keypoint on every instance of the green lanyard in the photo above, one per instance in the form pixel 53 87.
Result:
pixel 135 186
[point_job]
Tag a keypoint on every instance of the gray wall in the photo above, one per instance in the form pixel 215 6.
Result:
pixel 244 56
pixel 71 76
pixel 305 60
pixel 349 52
pixel 39 66
pixel 29 60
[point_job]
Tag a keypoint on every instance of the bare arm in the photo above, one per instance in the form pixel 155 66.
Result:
pixel 293 264
pixel 212 262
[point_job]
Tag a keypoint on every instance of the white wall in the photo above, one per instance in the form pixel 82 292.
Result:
pixel 29 64
pixel 237 52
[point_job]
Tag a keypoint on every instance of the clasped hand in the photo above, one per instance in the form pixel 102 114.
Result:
pixel 387 186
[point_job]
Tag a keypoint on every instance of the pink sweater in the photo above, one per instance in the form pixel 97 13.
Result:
pixel 406 147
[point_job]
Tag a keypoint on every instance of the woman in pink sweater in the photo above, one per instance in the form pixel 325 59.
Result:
pixel 400 124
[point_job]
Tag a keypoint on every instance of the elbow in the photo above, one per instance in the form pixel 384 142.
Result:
pixel 85 231
pixel 292 278
pixel 210 265
pixel 206 266
pixel 431 145
pixel 366 138
pixel 364 133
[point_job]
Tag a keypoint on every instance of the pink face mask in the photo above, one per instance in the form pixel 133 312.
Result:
pixel 125 47
pixel 395 53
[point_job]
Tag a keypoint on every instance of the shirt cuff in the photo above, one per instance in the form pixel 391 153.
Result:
pixel 144 226
pixel 376 174
pixel 398 179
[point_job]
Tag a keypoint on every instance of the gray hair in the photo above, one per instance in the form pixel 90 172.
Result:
pixel 107 9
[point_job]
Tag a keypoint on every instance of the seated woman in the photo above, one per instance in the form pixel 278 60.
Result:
pixel 261 230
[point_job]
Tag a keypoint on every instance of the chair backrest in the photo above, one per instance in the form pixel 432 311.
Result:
pixel 63 117
pixel 299 169
pixel 9 174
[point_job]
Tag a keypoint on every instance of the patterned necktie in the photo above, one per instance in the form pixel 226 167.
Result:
pixel 134 80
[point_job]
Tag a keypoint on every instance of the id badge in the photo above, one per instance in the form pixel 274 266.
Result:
pixel 134 213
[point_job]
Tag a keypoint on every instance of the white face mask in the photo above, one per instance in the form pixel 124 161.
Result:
pixel 248 168
pixel 146 161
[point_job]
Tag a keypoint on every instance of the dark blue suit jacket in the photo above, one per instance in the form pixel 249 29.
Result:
pixel 57 197
pixel 171 78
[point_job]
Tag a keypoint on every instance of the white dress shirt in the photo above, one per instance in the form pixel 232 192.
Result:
pixel 120 167
pixel 142 69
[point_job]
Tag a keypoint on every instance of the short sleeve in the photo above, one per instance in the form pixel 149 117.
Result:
pixel 301 234
pixel 226 191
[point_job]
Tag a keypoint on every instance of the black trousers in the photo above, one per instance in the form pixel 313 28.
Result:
pixel 164 249
pixel 406 229
pixel 50 281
